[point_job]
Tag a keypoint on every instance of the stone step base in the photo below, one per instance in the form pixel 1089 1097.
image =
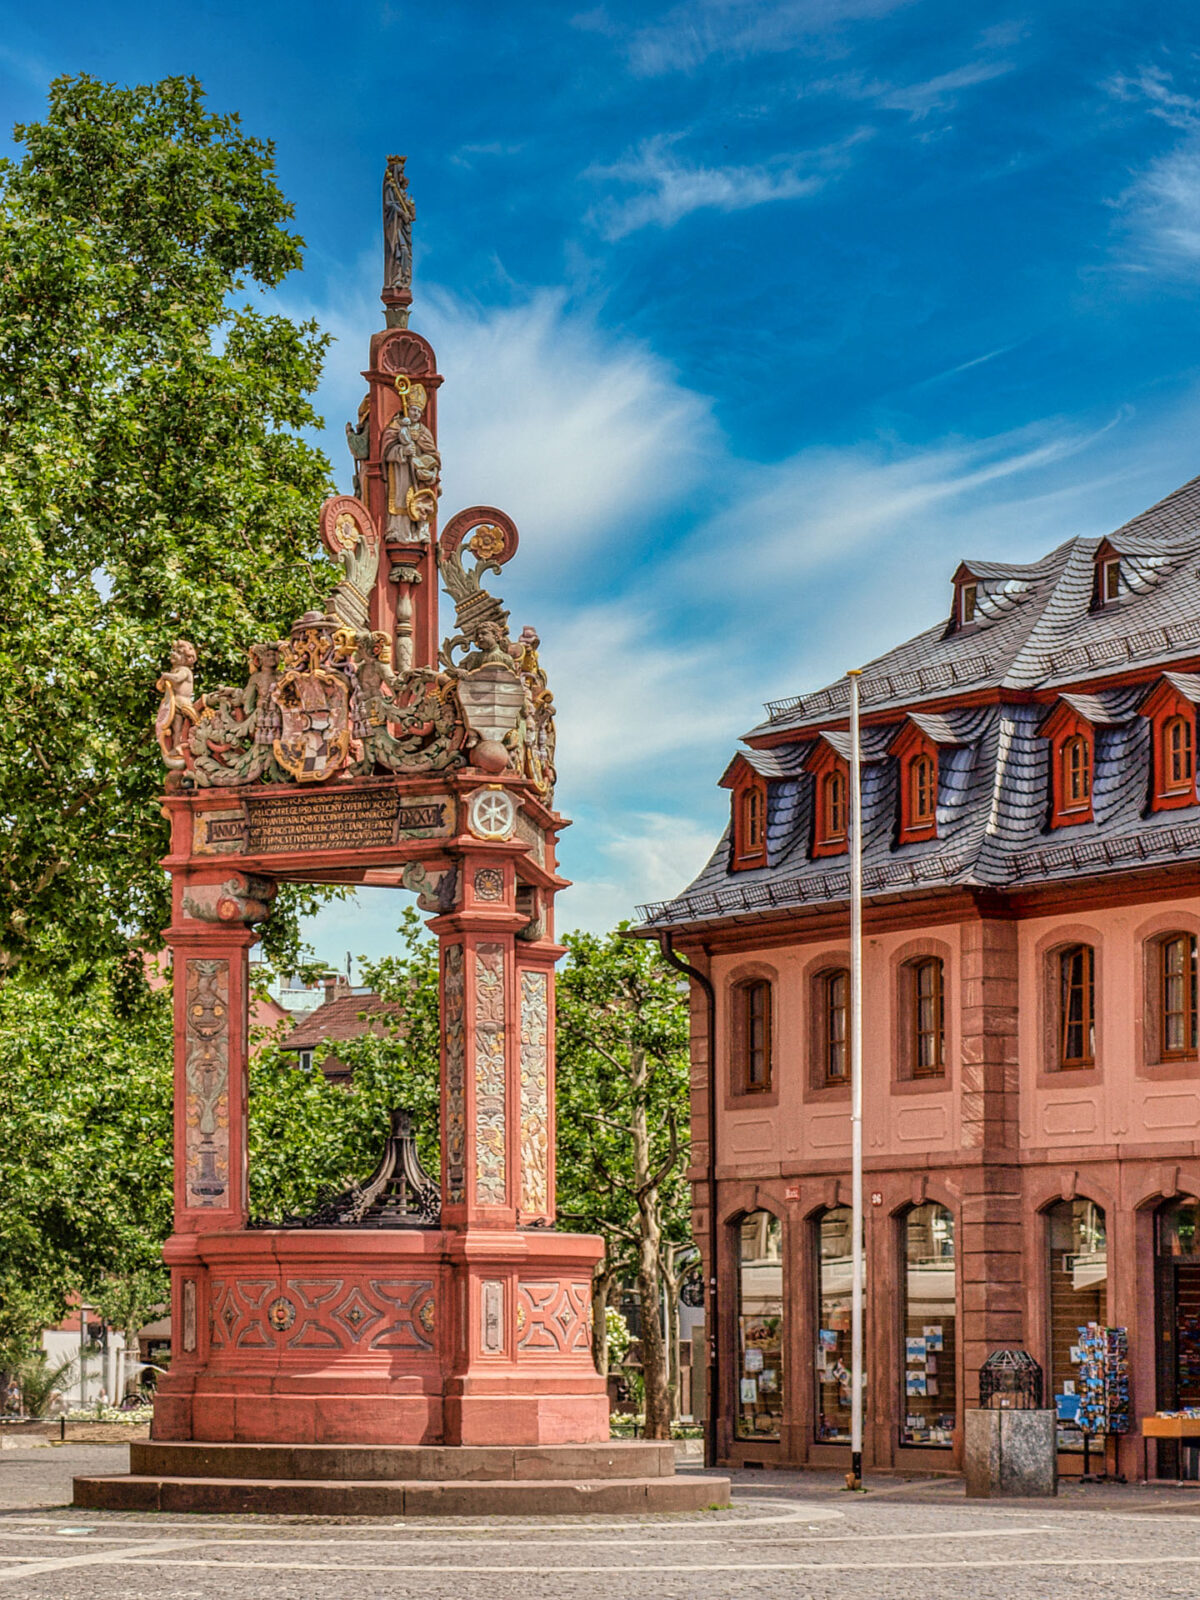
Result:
pixel 400 1498
pixel 618 1458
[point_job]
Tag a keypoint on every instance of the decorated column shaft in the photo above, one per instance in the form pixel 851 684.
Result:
pixel 210 938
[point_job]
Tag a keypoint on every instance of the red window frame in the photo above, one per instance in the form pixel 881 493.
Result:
pixel 916 753
pixel 748 816
pixel 1072 766
pixel 1172 718
pixel 831 801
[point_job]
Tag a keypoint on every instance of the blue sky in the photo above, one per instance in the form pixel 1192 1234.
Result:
pixel 757 317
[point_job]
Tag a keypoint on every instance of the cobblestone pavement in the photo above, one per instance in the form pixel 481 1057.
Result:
pixel 793 1535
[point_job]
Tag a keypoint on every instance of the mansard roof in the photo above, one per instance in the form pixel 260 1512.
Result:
pixel 1038 639
pixel 1036 624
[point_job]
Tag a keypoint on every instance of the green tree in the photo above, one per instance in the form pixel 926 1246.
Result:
pixel 85 1114
pixel 622 1102
pixel 153 483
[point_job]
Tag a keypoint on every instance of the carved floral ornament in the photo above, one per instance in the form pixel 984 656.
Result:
pixel 326 702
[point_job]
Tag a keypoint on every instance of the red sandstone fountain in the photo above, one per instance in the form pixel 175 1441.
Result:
pixel 411 1347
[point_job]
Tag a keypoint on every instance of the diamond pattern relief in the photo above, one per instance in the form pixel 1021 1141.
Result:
pixel 357 1315
pixel 556 1317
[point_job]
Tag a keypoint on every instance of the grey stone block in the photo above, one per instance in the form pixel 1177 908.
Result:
pixel 1010 1453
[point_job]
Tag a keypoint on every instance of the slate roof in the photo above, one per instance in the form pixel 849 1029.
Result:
pixel 1036 630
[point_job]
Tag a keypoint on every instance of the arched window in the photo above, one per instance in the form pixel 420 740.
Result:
pixel 1178 762
pixel 1078 1283
pixel 1076 759
pixel 833 1026
pixel 1177 996
pixel 753 1027
pixel 928 1344
pixel 922 792
pixel 1076 1007
pixel 760 1326
pixel 831 1239
pixel 753 821
pixel 927 1020
pixel 833 807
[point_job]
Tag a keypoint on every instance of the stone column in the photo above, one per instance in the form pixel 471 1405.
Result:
pixel 990 1243
pixel 520 1366
pixel 211 979
pixel 210 945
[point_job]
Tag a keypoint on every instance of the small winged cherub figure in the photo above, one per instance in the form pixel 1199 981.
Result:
pixel 176 710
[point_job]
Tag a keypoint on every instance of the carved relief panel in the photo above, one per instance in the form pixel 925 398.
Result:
pixel 491 1159
pixel 206 1036
pixel 535 1110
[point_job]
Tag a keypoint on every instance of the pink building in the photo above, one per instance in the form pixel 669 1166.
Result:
pixel 1031 1062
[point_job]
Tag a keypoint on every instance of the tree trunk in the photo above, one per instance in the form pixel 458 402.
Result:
pixel 654 1373
pixel 602 1282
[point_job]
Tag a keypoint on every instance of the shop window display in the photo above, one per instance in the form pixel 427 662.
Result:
pixel 1078 1283
pixel 760 1327
pixel 1178 1227
pixel 832 1243
pixel 928 1355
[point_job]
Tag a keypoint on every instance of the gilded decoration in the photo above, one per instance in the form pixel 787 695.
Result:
pixel 454 1033
pixel 206 1055
pixel 535 1118
pixel 491 1164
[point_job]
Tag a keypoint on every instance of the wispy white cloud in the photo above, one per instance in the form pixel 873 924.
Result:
pixel 577 433
pixel 1162 204
pixel 658 853
pixel 1155 89
pixel 670 189
pixel 939 93
pixel 1163 208
pixel 687 35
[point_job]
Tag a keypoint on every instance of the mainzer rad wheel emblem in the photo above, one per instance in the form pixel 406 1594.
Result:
pixel 281 1314
pixel 491 814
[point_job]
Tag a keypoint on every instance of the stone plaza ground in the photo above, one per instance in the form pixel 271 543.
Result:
pixel 785 1535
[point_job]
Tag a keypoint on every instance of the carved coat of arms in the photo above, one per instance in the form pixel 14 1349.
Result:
pixel 314 708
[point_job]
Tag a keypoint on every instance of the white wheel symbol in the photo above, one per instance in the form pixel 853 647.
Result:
pixel 493 814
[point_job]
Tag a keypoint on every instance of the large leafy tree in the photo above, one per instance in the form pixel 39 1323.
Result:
pixel 153 482
pixel 622 1100
pixel 85 1143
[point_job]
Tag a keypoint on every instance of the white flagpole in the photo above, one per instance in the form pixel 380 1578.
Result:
pixel 856 1095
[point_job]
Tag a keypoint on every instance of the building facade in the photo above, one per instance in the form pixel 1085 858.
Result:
pixel 1031 1061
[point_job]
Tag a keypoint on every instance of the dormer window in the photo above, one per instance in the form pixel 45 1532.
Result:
pixel 833 808
pixel 1179 773
pixel 831 799
pixel 1106 587
pixel 1075 755
pixel 1170 708
pixel 1072 761
pixel 967 595
pixel 748 815
pixel 754 830
pixel 917 758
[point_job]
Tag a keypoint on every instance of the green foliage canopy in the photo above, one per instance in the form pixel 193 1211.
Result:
pixel 153 482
